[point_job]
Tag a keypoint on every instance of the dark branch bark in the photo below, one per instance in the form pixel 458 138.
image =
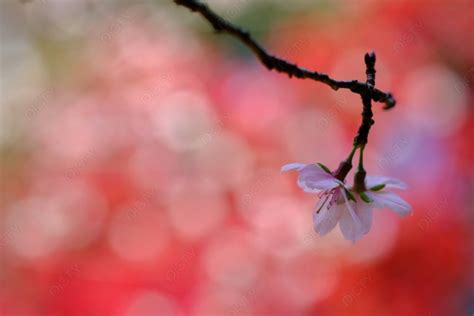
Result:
pixel 283 66
pixel 367 121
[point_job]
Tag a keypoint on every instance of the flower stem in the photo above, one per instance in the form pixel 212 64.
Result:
pixel 359 177
pixel 345 166
pixel 361 158
pixel 351 155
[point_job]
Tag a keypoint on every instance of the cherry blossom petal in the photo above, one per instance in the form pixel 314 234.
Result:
pixel 293 166
pixel 364 211
pixel 314 179
pixel 350 224
pixel 350 228
pixel 327 218
pixel 390 200
pixel 372 181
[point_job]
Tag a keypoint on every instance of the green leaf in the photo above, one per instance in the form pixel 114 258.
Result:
pixel 365 197
pixel 349 195
pixel 324 167
pixel 378 187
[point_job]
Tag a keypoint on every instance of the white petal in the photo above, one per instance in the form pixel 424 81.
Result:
pixel 364 211
pixel 372 181
pixel 349 228
pixel 293 166
pixel 326 219
pixel 350 224
pixel 390 200
pixel 314 179
pixel 376 202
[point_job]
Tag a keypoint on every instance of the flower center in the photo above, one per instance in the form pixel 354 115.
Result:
pixel 331 195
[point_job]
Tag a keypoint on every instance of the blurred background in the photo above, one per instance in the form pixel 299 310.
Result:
pixel 141 156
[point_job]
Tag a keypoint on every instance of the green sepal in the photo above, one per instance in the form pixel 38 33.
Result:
pixel 350 195
pixel 378 187
pixel 324 167
pixel 364 197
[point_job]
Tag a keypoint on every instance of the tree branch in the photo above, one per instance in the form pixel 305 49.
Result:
pixel 367 121
pixel 283 66
pixel 363 133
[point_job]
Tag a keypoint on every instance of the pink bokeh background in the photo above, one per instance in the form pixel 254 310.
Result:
pixel 141 159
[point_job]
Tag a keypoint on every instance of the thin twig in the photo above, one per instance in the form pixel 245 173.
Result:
pixel 280 65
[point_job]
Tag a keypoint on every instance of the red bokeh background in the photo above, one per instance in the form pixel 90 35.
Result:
pixel 141 159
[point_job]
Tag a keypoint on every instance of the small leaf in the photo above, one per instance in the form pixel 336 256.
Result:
pixel 349 195
pixel 378 187
pixel 365 197
pixel 324 167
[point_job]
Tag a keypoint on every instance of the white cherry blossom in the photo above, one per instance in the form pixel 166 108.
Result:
pixel 338 204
